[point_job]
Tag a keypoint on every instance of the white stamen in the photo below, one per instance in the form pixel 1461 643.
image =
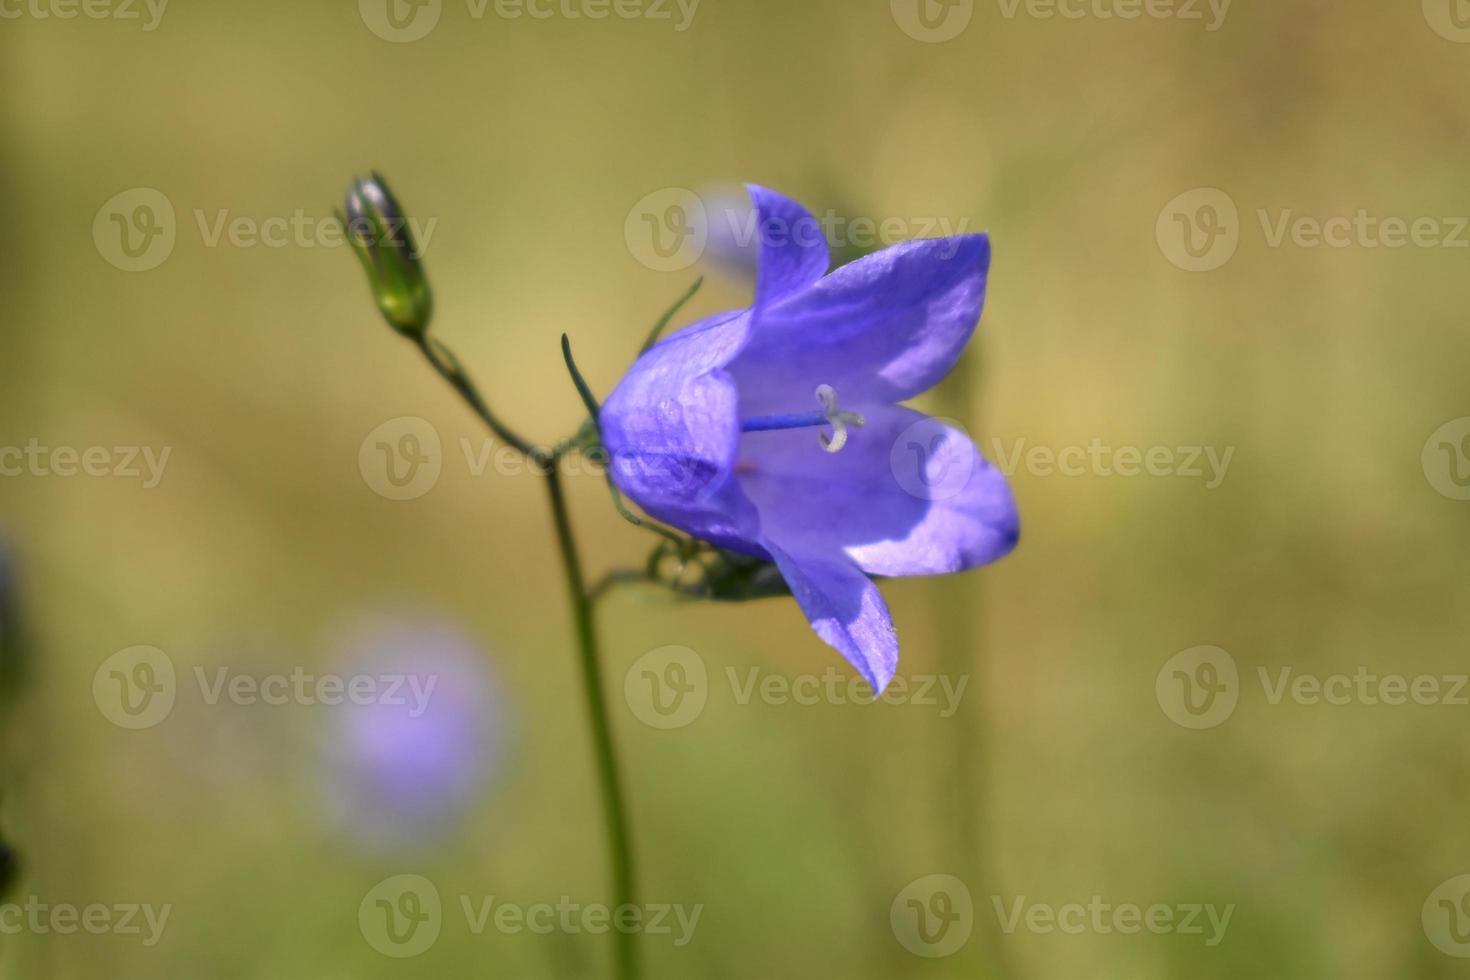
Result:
pixel 839 420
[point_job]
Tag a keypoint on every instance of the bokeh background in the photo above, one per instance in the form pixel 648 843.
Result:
pixel 1335 544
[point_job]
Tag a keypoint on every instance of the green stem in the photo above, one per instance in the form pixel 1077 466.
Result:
pixel 448 366
pixel 613 808
pixel 547 462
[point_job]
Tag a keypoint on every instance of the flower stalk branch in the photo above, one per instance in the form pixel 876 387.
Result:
pixel 546 462
pixel 378 232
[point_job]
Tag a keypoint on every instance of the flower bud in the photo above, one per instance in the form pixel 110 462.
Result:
pixel 379 234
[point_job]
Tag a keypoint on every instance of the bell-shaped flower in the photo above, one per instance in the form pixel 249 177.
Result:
pixel 776 431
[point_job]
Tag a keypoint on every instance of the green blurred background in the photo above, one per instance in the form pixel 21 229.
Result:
pixel 1328 548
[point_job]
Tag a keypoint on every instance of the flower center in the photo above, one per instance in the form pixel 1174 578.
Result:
pixel 830 414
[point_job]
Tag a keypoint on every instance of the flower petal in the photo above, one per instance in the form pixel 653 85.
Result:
pixel 845 608
pixel 672 429
pixel 881 329
pixel 907 495
pixel 793 248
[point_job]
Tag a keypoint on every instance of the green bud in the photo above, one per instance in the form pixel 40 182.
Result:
pixel 379 234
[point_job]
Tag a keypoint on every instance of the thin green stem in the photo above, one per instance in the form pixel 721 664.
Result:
pixel 663 321
pixel 448 366
pixel 589 400
pixel 614 809
pixel 547 462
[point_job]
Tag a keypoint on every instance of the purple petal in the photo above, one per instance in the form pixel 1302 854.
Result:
pixel 672 429
pixel 793 248
pixel 845 608
pixel 881 329
pixel 908 495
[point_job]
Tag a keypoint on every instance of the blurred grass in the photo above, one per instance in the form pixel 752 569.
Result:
pixel 1324 549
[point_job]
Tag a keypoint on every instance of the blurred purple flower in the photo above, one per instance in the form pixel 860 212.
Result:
pixel 406 766
pixel 705 429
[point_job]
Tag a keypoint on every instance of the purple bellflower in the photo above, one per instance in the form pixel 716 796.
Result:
pixel 403 770
pixel 712 430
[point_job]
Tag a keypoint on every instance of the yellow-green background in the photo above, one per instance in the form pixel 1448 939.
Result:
pixel 1325 549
